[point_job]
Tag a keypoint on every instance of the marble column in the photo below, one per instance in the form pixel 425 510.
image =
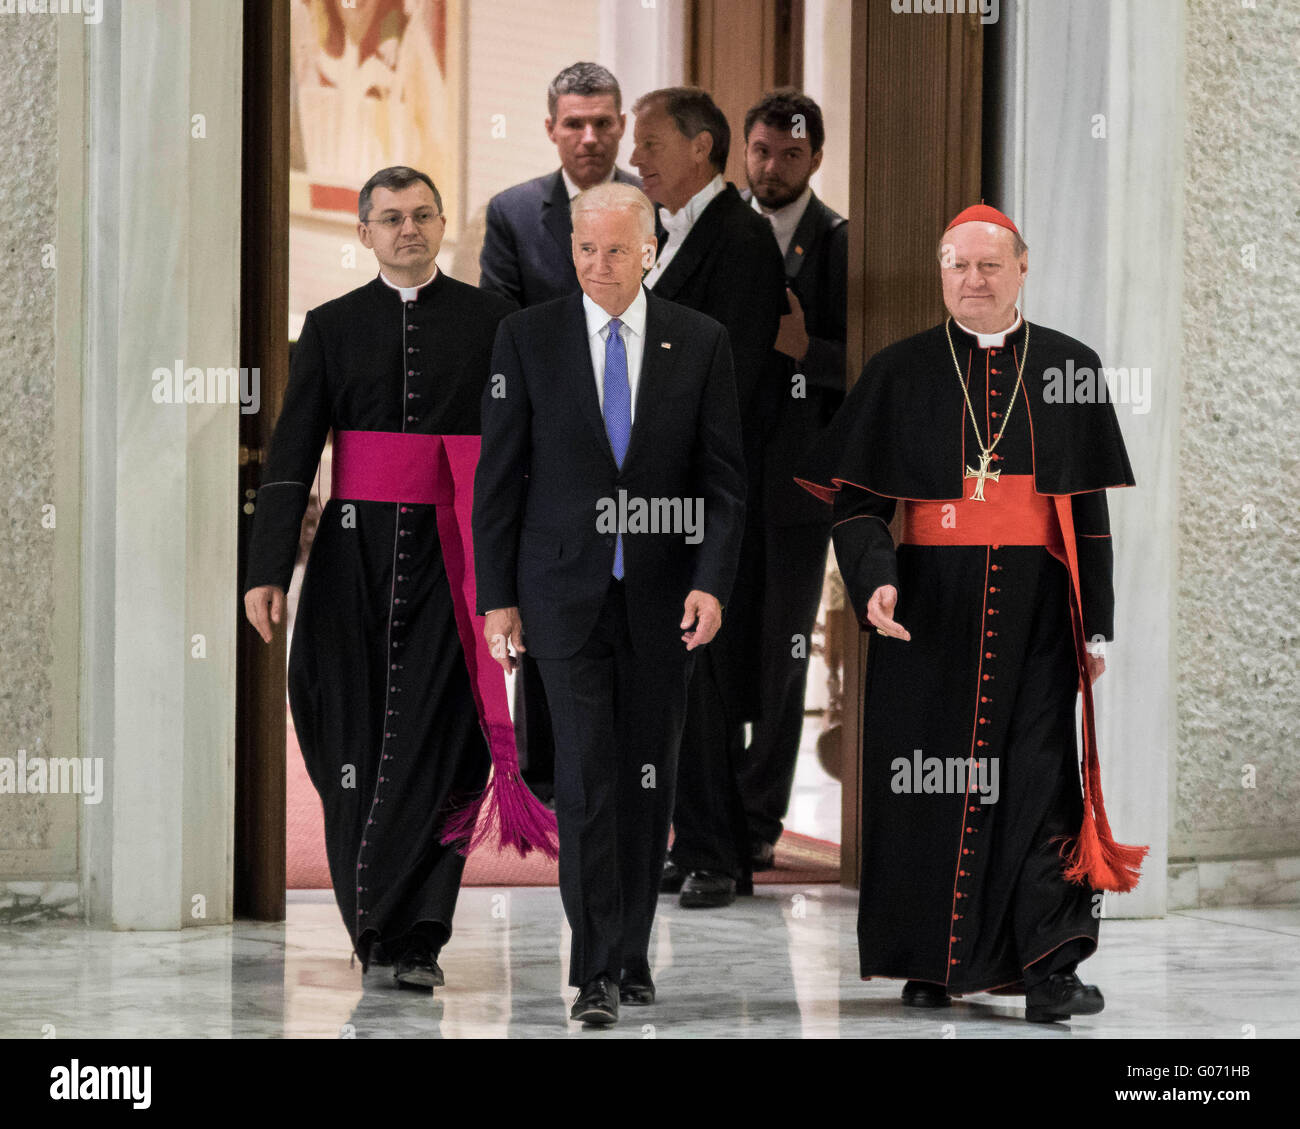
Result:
pixel 159 488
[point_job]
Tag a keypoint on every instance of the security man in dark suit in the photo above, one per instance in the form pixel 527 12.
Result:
pixel 719 257
pixel 784 138
pixel 526 257
pixel 608 507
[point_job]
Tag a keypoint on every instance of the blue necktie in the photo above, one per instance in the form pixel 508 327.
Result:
pixel 618 411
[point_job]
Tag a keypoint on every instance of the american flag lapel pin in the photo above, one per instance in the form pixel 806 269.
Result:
pixel 665 344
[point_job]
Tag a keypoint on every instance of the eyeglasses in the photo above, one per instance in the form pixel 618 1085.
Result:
pixel 392 223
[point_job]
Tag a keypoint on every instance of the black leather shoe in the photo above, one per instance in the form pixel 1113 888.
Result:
pixel 703 889
pixel 921 993
pixel 417 967
pixel 597 1003
pixel 1060 996
pixel 762 856
pixel 636 989
pixel 672 879
pixel 379 956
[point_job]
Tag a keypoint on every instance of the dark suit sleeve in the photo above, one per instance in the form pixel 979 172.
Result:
pixel 749 299
pixel 1091 515
pixel 498 261
pixel 296 447
pixel 823 364
pixel 864 547
pixel 500 480
pixel 720 476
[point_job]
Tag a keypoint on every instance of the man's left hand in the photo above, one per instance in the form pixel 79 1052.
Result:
pixel 792 340
pixel 705 612
pixel 1096 667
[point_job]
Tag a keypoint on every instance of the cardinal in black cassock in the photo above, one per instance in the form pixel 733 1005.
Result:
pixel 390 701
pixel 984 847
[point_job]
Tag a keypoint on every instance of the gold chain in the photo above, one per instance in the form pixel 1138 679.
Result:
pixel 1020 371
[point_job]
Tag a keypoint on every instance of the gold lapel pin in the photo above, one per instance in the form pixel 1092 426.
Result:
pixel 665 344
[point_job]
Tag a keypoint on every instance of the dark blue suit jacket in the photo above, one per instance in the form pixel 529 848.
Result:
pixel 546 463
pixel 527 255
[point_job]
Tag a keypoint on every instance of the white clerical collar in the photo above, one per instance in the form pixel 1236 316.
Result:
pixel 409 293
pixel 680 222
pixel 785 218
pixel 633 317
pixel 572 189
pixel 992 340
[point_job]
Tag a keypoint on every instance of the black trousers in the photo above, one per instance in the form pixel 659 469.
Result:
pixel 533 736
pixel 709 827
pixel 795 563
pixel 617 717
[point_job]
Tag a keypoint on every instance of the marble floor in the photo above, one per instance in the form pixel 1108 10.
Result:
pixel 780 964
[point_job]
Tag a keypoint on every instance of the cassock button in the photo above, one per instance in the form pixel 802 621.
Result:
pixel 410 419
pixel 410 348
pixel 980 744
pixel 410 372
pixel 995 415
pixel 410 327
pixel 974 807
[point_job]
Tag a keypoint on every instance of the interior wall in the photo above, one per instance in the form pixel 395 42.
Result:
pixel 1237 795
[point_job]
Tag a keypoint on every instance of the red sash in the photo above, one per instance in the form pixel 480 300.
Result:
pixel 438 470
pixel 1015 514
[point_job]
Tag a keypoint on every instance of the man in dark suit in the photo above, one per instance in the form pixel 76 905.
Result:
pixel 526 257
pixel 608 508
pixel 784 138
pixel 719 257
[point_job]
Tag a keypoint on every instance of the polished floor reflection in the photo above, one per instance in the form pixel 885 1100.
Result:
pixel 780 964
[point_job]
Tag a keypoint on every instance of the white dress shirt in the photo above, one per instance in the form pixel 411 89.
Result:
pixel 409 293
pixel 633 334
pixel 678 224
pixel 785 219
pixel 572 189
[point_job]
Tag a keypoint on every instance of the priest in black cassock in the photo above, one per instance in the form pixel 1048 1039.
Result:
pixel 985 849
pixel 382 693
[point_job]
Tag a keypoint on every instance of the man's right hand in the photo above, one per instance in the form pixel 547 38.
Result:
pixel 258 602
pixel 504 626
pixel 880 612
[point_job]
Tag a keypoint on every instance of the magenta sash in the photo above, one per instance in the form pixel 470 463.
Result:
pixel 438 470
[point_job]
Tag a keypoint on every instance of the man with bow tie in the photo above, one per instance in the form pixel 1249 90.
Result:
pixel 721 258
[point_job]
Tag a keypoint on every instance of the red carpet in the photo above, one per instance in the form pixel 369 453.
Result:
pixel 799 858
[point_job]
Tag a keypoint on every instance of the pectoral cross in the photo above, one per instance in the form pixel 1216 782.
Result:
pixel 981 475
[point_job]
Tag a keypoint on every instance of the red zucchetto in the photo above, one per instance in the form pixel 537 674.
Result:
pixel 983 213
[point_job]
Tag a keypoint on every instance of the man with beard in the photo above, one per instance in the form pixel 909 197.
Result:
pixel 385 678
pixel 784 138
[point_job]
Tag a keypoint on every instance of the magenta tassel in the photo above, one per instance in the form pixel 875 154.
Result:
pixel 505 813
